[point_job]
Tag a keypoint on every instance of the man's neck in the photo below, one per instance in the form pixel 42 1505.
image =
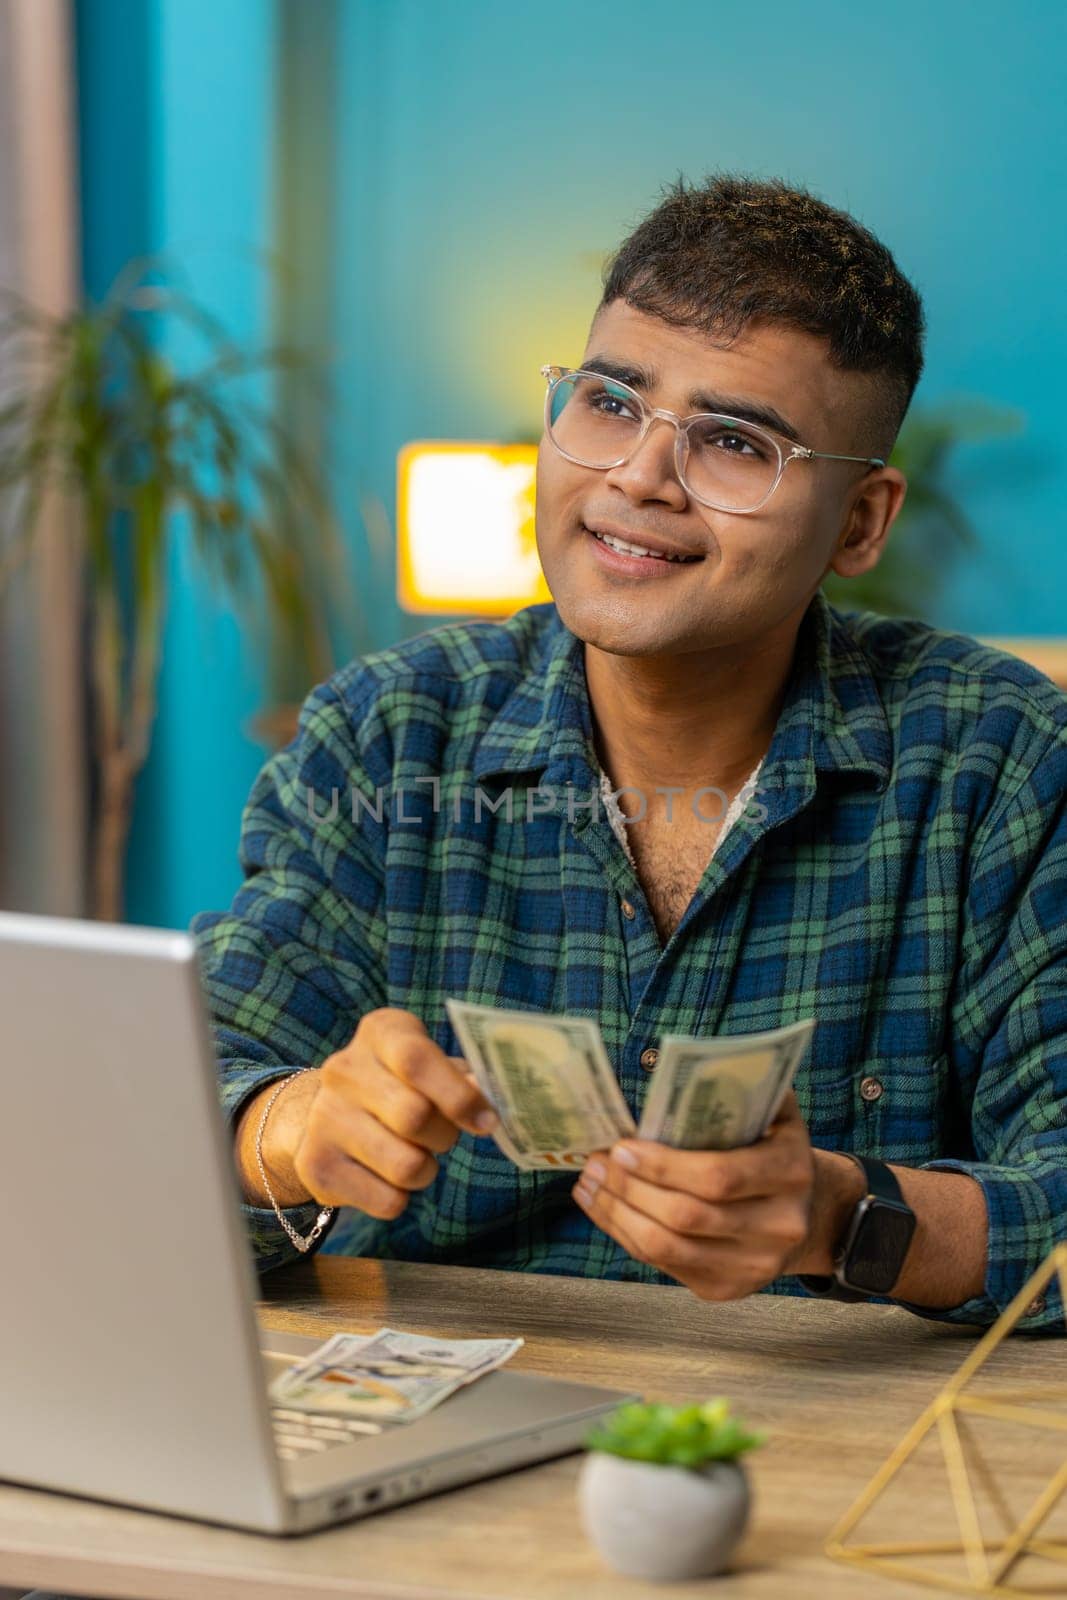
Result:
pixel 689 720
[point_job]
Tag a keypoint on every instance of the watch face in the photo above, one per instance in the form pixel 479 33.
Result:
pixel 878 1248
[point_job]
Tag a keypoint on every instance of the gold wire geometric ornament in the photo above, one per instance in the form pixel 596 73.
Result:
pixel 988 1561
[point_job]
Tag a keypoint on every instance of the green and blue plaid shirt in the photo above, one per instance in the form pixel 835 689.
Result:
pixel 900 875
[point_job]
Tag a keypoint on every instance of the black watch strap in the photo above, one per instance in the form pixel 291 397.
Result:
pixel 884 1186
pixel 881 1181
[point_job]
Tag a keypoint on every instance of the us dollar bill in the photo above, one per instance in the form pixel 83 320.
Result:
pixel 549 1080
pixel 388 1376
pixel 718 1094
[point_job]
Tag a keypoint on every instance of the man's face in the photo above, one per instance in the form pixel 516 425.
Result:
pixel 753 571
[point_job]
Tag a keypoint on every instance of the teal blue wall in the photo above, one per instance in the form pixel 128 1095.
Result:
pixel 516 144
pixel 485 158
pixel 177 126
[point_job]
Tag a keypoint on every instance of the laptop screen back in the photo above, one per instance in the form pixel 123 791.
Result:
pixel 128 1352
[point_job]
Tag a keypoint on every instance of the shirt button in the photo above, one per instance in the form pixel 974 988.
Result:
pixel 1036 1306
pixel 871 1089
pixel 649 1058
pixel 628 911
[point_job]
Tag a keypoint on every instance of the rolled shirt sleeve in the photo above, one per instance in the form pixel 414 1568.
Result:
pixel 299 958
pixel 1010 1032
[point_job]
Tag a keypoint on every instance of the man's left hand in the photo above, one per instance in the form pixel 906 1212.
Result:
pixel 723 1222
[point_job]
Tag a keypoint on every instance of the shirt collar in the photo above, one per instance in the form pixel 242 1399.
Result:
pixel 832 718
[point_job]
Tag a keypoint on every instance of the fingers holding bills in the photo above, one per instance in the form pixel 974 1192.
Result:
pixel 551 1083
pixel 719 1094
pixel 549 1080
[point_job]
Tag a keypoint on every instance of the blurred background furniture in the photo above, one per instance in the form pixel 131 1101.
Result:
pixel 43 796
pixel 1047 655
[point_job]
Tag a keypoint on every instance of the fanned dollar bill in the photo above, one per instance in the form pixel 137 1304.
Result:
pixel 718 1094
pixel 549 1080
pixel 387 1376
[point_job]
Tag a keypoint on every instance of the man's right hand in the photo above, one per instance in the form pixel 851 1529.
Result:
pixel 364 1128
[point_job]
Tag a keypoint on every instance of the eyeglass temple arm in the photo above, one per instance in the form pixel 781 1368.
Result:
pixel 828 455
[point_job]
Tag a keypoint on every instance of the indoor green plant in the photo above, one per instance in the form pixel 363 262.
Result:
pixel 94 408
pixel 932 530
pixel 662 1491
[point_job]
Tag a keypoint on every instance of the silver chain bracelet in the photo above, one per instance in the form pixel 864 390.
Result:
pixel 324 1215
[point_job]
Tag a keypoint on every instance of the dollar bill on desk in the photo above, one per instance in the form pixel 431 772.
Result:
pixel 549 1080
pixel 719 1094
pixel 386 1376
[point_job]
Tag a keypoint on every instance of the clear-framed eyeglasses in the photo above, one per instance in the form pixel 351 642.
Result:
pixel 723 462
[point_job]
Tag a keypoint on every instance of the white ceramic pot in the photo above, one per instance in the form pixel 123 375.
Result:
pixel 650 1520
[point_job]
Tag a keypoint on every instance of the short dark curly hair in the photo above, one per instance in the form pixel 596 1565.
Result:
pixel 737 249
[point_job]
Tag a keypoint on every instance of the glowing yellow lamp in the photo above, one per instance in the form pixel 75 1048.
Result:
pixel 465 521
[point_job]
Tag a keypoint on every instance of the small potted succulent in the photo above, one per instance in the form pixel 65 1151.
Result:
pixel 662 1492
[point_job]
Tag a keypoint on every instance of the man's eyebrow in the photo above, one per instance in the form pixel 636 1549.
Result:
pixel 643 379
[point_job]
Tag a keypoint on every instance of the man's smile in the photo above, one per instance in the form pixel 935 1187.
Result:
pixel 638 555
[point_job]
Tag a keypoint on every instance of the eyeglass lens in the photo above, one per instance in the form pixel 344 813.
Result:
pixel 597 422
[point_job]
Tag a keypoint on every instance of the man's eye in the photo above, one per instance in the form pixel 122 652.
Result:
pixel 609 405
pixel 732 442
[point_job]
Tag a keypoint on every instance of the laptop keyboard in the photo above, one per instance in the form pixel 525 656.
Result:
pixel 301 1433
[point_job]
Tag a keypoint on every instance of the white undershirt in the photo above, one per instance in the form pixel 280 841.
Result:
pixel 734 810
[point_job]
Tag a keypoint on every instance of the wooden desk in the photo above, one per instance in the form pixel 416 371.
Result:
pixel 836 1386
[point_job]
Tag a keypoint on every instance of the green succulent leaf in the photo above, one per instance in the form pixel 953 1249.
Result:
pixel 682 1436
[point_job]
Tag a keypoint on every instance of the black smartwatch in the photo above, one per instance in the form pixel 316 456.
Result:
pixel 870 1257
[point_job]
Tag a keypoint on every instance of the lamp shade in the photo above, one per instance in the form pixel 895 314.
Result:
pixel 465 528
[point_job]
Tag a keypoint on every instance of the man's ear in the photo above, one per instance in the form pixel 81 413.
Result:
pixel 873 512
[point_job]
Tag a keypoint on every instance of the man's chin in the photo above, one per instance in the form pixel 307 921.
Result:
pixel 614 625
pixel 647 618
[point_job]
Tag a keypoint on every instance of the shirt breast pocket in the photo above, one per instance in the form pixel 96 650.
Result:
pixel 828 1103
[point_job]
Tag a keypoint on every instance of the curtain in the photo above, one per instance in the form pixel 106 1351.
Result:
pixel 42 746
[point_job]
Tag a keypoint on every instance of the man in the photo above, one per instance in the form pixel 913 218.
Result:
pixel 884 849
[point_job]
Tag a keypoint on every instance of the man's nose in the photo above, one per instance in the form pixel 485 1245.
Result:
pixel 651 473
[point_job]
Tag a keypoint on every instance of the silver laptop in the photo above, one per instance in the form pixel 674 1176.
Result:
pixel 132 1367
